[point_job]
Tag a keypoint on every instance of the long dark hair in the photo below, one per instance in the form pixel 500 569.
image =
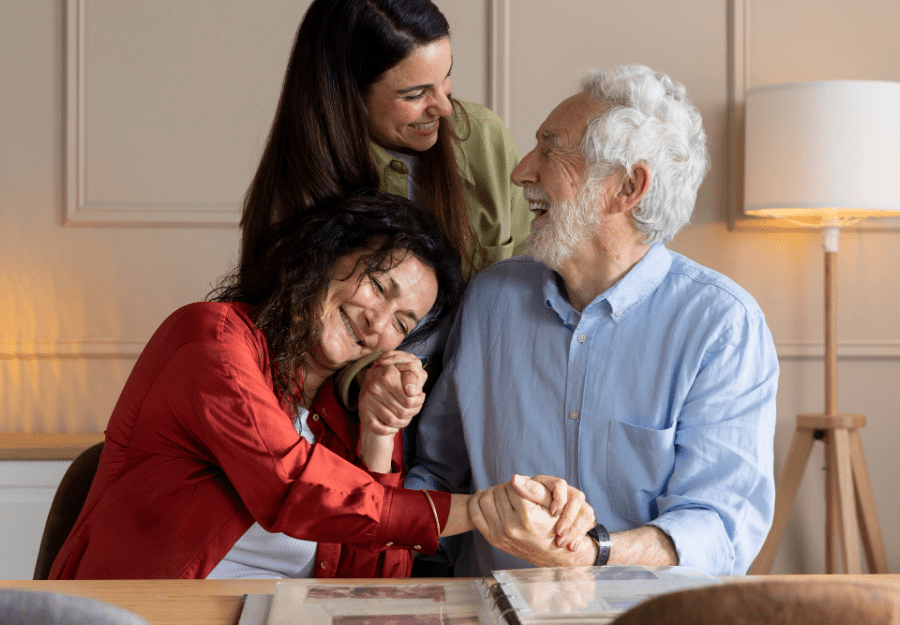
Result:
pixel 318 147
pixel 288 281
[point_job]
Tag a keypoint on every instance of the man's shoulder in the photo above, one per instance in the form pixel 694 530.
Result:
pixel 709 283
pixel 508 285
pixel 519 273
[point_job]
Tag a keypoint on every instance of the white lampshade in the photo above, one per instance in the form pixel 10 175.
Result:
pixel 823 152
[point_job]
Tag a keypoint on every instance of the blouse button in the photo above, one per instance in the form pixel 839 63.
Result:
pixel 315 417
pixel 323 565
pixel 417 547
pixel 399 167
pixel 390 544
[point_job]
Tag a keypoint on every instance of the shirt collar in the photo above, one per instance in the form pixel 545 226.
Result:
pixel 383 158
pixel 619 299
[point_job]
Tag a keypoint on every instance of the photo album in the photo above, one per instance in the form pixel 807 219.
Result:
pixel 510 597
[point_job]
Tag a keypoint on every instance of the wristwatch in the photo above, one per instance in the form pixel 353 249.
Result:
pixel 599 533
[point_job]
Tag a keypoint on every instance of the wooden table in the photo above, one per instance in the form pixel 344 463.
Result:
pixel 218 602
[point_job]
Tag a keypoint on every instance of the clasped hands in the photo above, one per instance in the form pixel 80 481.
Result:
pixel 540 519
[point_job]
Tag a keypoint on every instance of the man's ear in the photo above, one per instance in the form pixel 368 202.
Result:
pixel 631 189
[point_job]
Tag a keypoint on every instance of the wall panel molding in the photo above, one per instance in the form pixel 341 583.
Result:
pixel 30 350
pixel 787 350
pixel 500 42
pixel 860 350
pixel 85 170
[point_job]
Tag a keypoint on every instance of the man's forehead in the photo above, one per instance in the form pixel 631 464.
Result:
pixel 565 125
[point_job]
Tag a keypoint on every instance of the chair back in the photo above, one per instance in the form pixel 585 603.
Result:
pixel 67 503
pixel 814 601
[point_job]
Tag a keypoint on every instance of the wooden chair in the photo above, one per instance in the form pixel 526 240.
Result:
pixel 814 601
pixel 66 506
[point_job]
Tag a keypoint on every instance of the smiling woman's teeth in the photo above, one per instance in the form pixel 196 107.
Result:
pixel 424 126
pixel 349 329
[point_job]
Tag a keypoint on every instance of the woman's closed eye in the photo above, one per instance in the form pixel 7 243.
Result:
pixel 412 97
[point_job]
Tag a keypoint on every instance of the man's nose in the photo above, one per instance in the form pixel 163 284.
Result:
pixel 525 172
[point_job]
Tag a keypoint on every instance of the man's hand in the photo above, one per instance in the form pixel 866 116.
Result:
pixel 576 516
pixel 391 393
pixel 526 529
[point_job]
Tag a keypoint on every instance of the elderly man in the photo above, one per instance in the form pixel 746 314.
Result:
pixel 642 378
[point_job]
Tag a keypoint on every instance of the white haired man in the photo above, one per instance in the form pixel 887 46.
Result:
pixel 640 377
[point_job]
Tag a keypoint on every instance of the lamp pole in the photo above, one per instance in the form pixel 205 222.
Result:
pixel 849 500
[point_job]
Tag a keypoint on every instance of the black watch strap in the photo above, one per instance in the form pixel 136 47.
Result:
pixel 599 533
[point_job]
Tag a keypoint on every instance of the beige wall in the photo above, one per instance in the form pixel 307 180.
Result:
pixel 175 99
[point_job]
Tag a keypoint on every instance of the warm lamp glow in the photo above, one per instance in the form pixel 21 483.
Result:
pixel 823 153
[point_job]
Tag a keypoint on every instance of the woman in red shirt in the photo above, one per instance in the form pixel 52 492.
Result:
pixel 202 460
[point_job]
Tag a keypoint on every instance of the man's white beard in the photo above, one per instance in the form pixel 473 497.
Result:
pixel 563 228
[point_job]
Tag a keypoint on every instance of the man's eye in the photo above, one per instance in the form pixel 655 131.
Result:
pixel 402 327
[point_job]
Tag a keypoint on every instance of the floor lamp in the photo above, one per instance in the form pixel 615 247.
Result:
pixel 826 154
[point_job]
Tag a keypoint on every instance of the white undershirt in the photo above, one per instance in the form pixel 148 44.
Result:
pixel 262 554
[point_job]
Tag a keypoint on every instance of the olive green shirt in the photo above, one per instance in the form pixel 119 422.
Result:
pixel 487 157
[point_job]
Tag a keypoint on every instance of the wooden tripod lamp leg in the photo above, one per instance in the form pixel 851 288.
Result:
pixel 838 445
pixel 873 543
pixel 785 493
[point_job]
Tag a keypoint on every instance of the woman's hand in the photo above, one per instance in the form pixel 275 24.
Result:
pixel 576 516
pixel 391 393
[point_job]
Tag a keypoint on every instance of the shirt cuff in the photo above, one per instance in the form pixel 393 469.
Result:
pixel 700 540
pixel 407 520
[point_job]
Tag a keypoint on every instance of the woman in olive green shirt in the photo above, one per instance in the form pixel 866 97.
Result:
pixel 366 103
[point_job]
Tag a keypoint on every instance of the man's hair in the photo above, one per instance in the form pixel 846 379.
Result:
pixel 288 280
pixel 649 120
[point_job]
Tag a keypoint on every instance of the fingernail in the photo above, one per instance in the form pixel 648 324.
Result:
pixel 518 480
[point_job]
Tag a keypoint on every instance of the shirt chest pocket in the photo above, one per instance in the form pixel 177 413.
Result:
pixel 639 462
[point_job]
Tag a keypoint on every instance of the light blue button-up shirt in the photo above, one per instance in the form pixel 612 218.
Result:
pixel 657 401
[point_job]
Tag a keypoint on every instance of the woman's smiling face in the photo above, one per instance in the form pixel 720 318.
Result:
pixel 363 314
pixel 406 104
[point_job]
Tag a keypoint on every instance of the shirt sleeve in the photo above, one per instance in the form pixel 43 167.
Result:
pixel 226 408
pixel 441 456
pixel 719 503
pixel 497 207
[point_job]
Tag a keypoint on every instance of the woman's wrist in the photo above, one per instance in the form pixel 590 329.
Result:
pixel 458 520
pixel 376 451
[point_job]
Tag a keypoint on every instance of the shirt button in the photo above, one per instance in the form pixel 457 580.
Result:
pixel 315 417
pixel 618 313
pixel 573 415
pixel 399 167
pixel 323 565
pixel 581 338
